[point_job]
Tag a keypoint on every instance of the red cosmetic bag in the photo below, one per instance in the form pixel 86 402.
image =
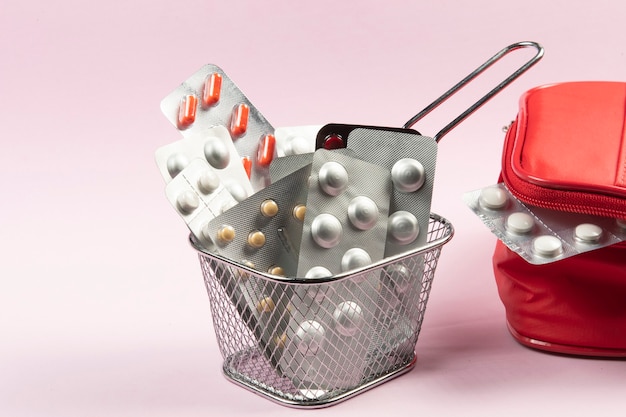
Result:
pixel 566 151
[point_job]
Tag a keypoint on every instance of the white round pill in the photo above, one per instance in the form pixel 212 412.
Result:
pixel 492 198
pixel 309 337
pixel 297 145
pixel 216 153
pixel 333 178
pixel 317 292
pixel 208 181
pixel 363 212
pixel 355 258
pixel 588 233
pixel 318 272
pixel 187 202
pixel 236 190
pixel 547 246
pixel 400 276
pixel 520 223
pixel 408 175
pixel 403 227
pixel 348 318
pixel 326 230
pixel 176 163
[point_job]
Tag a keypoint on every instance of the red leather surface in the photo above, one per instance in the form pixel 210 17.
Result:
pixel 573 306
pixel 571 135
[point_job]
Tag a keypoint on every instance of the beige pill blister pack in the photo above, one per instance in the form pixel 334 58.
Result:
pixel 210 98
pixel 264 229
pixel 538 235
pixel 263 233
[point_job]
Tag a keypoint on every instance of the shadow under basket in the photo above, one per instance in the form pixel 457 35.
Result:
pixel 282 341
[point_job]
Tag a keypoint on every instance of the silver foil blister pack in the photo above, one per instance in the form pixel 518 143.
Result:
pixel 411 158
pixel 539 235
pixel 264 230
pixel 209 98
pixel 330 325
pixel 346 214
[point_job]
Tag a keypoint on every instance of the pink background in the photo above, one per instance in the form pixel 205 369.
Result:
pixel 103 311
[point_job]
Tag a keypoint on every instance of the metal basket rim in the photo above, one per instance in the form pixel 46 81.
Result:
pixel 429 246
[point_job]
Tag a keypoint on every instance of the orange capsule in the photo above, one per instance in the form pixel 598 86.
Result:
pixel 239 120
pixel 187 110
pixel 265 151
pixel 212 90
pixel 247 165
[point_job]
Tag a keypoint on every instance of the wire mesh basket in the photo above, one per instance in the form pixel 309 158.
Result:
pixel 281 339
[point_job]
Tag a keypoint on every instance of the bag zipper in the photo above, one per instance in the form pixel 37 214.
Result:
pixel 555 198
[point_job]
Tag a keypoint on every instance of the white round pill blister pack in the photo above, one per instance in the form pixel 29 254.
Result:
pixel 537 234
pixel 214 146
pixel 198 195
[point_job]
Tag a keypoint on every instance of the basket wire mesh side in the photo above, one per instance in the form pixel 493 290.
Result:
pixel 266 356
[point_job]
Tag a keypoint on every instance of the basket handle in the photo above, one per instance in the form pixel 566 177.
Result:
pixel 486 97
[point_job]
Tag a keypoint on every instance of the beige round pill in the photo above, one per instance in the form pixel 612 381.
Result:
pixel 243 275
pixel 299 211
pixel 256 239
pixel 226 234
pixel 276 270
pixel 269 208
pixel 266 305
pixel 281 341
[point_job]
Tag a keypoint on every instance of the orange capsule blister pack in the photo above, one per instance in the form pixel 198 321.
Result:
pixel 209 98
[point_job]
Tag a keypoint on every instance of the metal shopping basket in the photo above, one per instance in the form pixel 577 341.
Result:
pixel 398 320
pixel 384 348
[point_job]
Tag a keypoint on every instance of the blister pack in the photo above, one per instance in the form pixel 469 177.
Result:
pixel 264 230
pixel 397 317
pixel 346 213
pixel 210 98
pixel 411 159
pixel 213 146
pixel 264 307
pixel 335 135
pixel 285 165
pixel 540 235
pixel 329 326
pixel 295 140
pixel 199 195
